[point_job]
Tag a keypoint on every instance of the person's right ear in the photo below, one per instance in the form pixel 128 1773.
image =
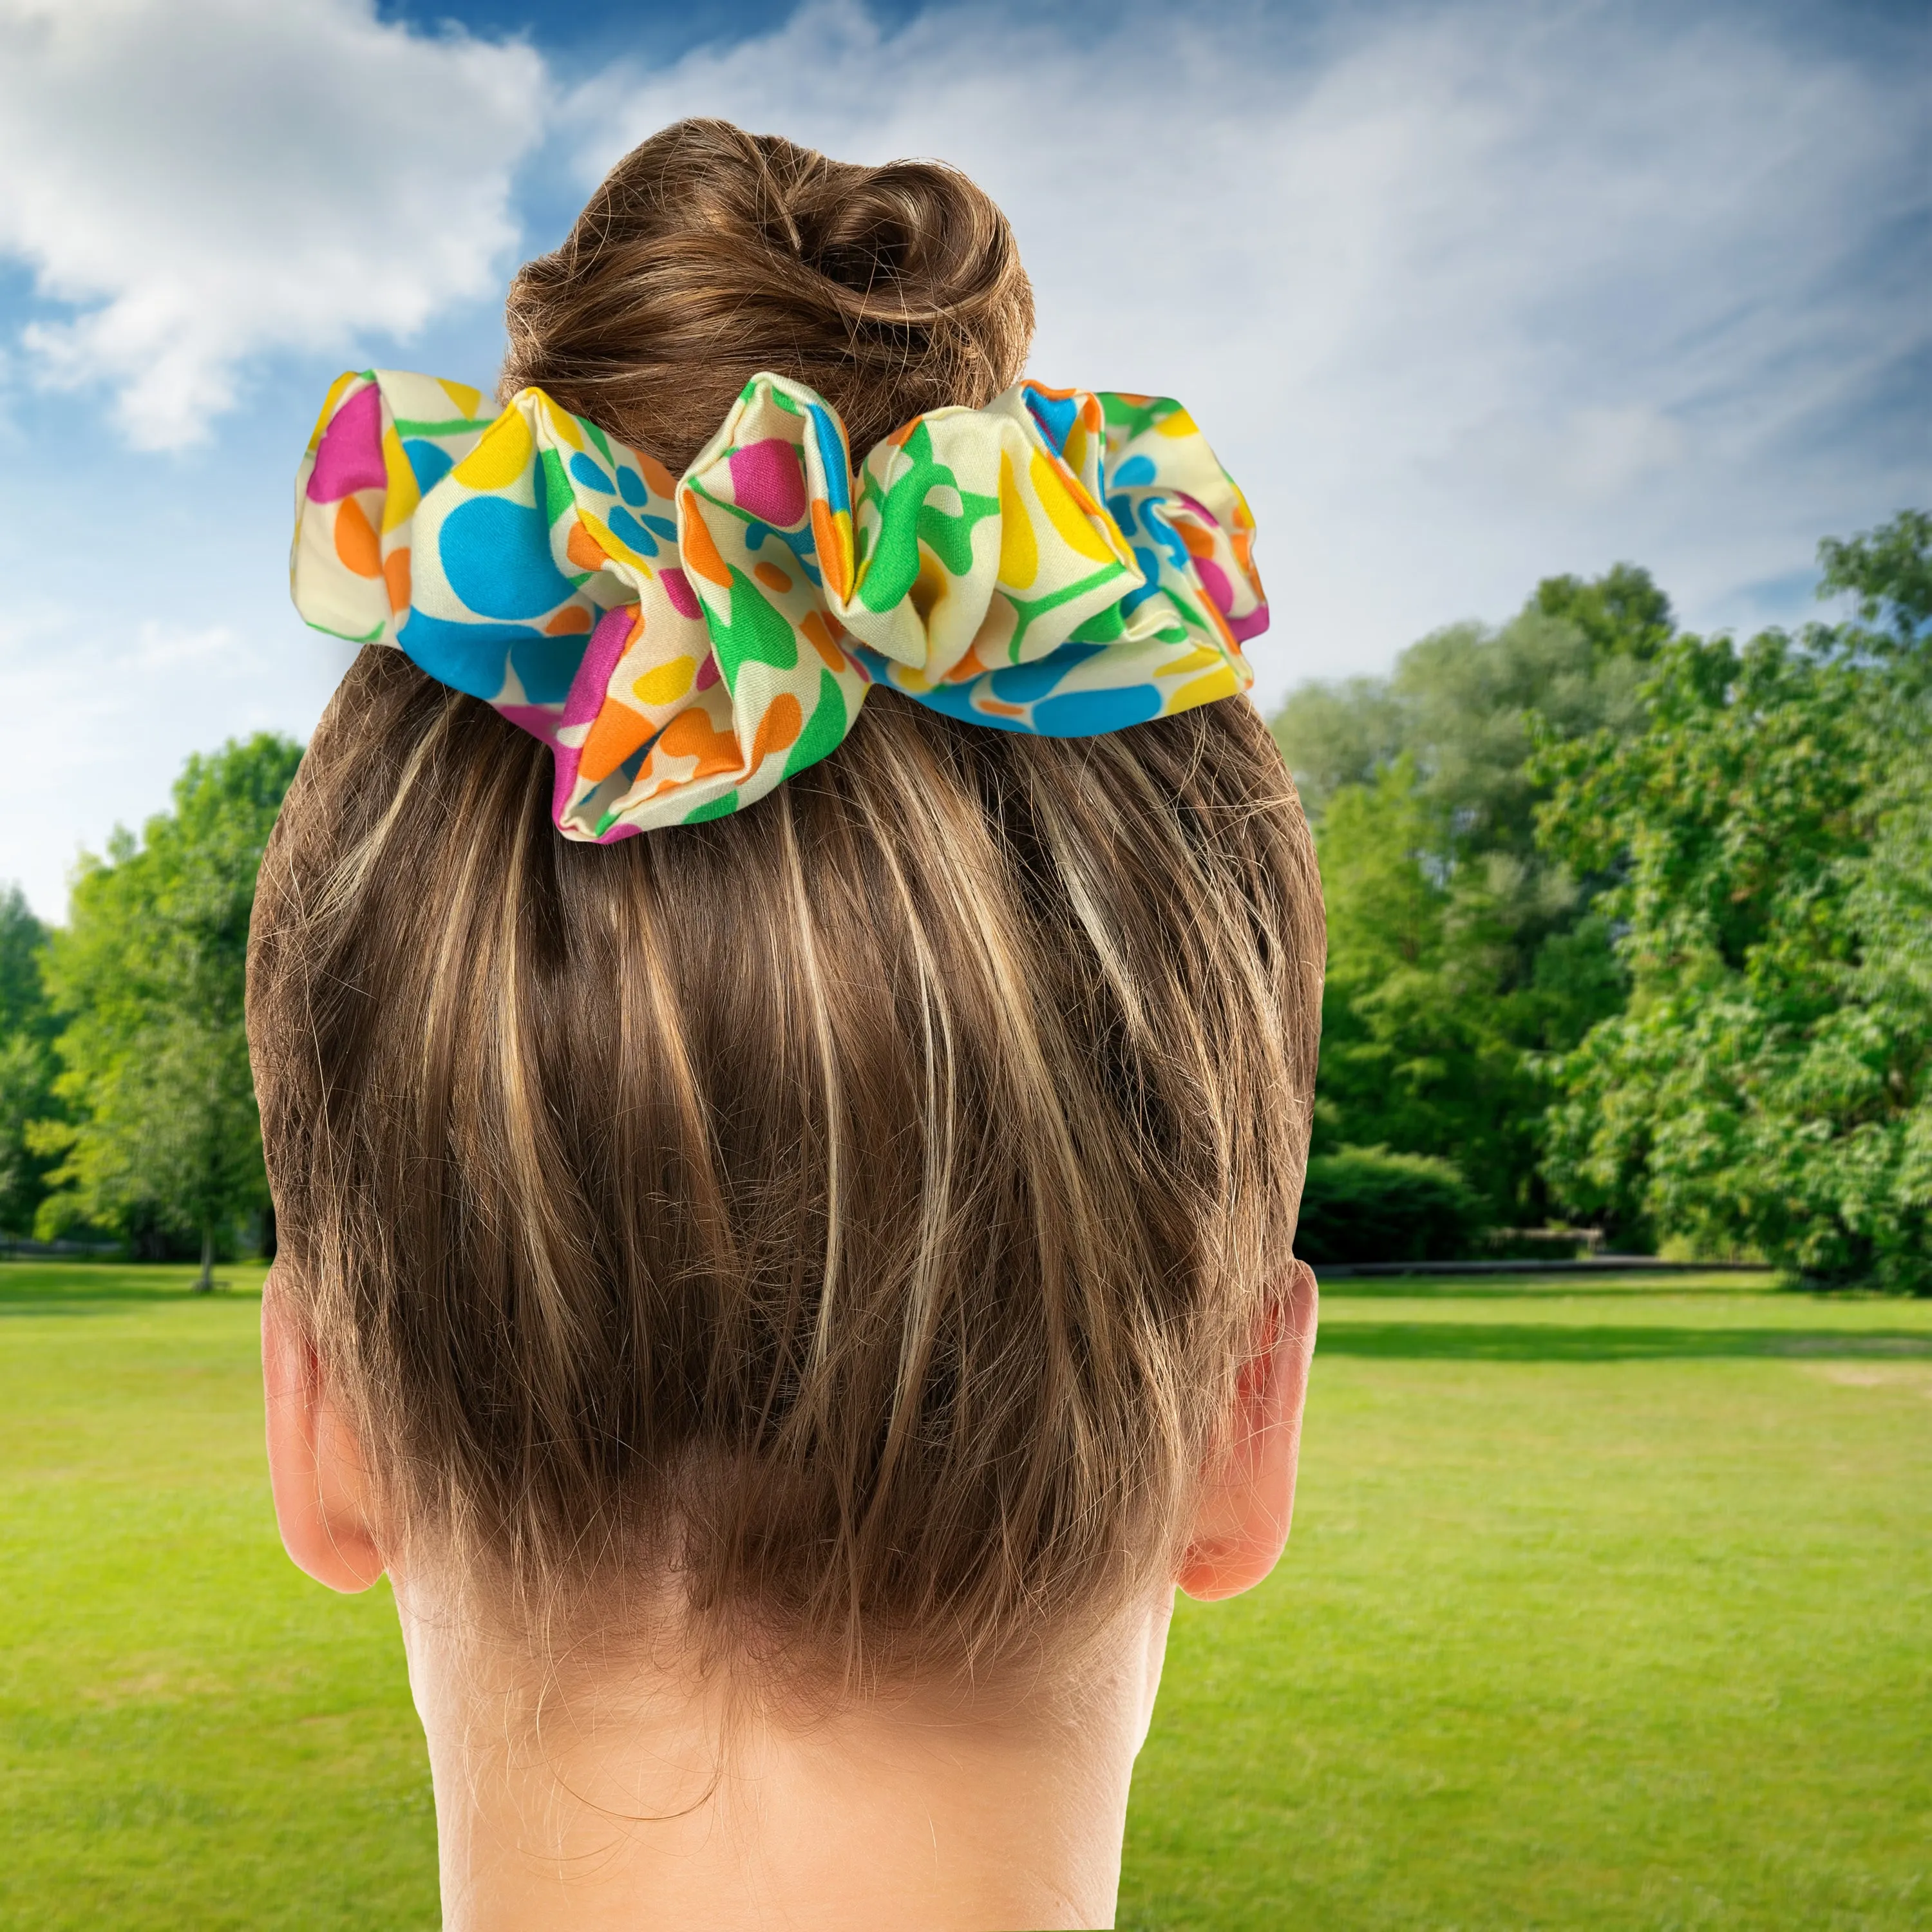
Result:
pixel 1241 1521
pixel 324 1497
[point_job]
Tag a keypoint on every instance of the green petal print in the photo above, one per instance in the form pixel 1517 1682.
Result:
pixel 907 521
pixel 826 729
pixel 1026 609
pixel 1132 418
pixel 1104 627
pixel 554 493
pixel 441 426
pixel 755 630
pixel 719 807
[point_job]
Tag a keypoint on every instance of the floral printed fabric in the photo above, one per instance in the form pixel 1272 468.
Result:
pixel 1060 562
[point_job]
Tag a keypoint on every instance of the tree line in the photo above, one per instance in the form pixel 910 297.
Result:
pixel 1634 926
pixel 126 1105
pixel 1627 926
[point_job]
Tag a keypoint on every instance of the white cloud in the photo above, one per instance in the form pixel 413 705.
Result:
pixel 1587 457
pixel 206 180
pixel 1464 295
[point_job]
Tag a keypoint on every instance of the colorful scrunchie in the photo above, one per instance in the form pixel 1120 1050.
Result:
pixel 1060 562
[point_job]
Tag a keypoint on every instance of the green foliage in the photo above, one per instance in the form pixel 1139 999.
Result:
pixel 1367 1205
pixel 1889 572
pixel 26 1059
pixel 1770 830
pixel 1458 950
pixel 162 1138
pixel 1623 613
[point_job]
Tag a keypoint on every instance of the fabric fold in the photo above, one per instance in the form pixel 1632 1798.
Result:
pixel 1061 561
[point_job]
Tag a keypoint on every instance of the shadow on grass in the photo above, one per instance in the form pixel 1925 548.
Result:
pixel 1505 1341
pixel 1526 1288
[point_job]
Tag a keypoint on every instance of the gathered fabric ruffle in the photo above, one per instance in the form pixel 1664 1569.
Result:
pixel 1061 561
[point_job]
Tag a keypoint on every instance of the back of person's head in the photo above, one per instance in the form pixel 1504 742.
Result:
pixel 836 1229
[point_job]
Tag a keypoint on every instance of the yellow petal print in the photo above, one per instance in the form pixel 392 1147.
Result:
pixel 1217 684
pixel 1019 554
pixel 611 545
pixel 400 503
pixel 1199 659
pixel 563 425
pixel 500 458
pixel 665 683
pixel 468 399
pixel 929 587
pixel 328 403
pixel 1075 532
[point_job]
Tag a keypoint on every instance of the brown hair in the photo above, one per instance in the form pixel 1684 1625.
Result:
pixel 855 1211
pixel 708 254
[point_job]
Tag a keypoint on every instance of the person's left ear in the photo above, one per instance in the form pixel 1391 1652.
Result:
pixel 1247 1500
pixel 324 1497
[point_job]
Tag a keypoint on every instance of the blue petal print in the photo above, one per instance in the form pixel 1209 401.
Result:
pixel 633 532
pixel 430 463
pixel 1163 533
pixel 467 657
pixel 832 459
pixel 587 473
pixel 545 666
pixel 1148 565
pixel 495 554
pixel 1086 714
pixel 1026 683
pixel 631 487
pixel 1055 415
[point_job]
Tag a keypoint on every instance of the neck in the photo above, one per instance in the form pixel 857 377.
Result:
pixel 644 1795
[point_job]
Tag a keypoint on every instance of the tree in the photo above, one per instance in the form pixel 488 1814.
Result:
pixel 1769 832
pixel 162 1136
pixel 26 1059
pixel 1458 948
pixel 1367 1205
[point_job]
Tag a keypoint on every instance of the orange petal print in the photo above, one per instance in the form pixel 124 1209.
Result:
pixel 818 634
pixel 568 622
pixel 396 574
pixel 700 553
pixel 970 666
pixel 356 542
pixel 779 729
pixel 831 551
pixel 662 483
pixel 617 732
pixel 691 735
pixel 581 548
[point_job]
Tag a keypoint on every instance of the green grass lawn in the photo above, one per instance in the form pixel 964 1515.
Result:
pixel 1607 1606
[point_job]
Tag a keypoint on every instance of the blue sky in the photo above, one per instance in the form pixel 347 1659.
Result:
pixel 1465 294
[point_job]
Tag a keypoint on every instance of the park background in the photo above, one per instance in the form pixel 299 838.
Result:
pixel 1576 359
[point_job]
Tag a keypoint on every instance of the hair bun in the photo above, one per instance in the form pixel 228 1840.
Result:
pixel 916 235
pixel 708 254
